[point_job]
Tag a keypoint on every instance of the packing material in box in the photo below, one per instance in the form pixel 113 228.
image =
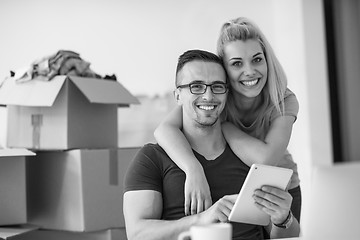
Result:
pixel 64 113
pixel 106 234
pixel 77 190
pixel 13 186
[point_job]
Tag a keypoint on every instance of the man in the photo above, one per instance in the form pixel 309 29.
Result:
pixel 154 185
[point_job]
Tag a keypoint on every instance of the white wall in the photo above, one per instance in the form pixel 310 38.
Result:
pixel 138 40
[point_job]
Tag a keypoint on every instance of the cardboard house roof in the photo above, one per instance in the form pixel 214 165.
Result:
pixel 43 93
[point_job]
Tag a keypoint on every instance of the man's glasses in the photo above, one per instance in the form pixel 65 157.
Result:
pixel 200 88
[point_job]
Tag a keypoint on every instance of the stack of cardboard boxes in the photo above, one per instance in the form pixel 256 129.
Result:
pixel 74 184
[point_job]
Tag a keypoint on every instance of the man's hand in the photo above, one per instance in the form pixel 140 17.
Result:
pixel 197 193
pixel 273 201
pixel 219 212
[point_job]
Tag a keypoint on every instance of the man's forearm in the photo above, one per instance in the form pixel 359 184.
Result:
pixel 150 229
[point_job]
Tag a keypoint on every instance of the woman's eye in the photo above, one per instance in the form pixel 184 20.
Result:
pixel 258 59
pixel 236 64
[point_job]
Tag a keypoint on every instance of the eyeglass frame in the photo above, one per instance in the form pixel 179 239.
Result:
pixel 206 86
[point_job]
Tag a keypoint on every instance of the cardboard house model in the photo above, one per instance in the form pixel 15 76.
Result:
pixel 64 113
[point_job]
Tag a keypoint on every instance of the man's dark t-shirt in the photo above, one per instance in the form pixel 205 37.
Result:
pixel 152 169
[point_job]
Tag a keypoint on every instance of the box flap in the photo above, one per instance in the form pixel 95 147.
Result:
pixel 104 91
pixel 10 152
pixel 31 93
pixel 12 232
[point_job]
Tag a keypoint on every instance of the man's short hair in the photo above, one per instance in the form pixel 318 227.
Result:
pixel 195 55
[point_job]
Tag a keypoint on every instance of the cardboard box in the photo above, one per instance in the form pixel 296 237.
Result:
pixel 77 190
pixel 64 113
pixel 13 186
pixel 14 233
pixel 108 234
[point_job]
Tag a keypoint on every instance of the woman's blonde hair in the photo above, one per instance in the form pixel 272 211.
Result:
pixel 243 29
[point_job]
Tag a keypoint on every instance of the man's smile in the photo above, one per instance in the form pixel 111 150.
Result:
pixel 206 107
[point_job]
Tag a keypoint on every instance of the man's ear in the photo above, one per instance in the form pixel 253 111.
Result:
pixel 177 96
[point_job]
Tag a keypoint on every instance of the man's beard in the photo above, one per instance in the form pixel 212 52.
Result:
pixel 205 124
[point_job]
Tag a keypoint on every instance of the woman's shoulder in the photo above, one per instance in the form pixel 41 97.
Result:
pixel 289 93
pixel 291 103
pixel 290 97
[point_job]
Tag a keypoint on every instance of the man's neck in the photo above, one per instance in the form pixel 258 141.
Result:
pixel 207 141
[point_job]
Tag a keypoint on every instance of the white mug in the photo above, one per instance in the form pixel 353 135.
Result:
pixel 214 231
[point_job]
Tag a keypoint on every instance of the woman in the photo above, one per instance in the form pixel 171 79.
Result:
pixel 258 117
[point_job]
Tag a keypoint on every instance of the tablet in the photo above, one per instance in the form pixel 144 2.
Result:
pixel 245 210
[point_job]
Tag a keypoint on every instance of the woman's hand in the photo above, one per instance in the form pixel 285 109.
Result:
pixel 197 193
